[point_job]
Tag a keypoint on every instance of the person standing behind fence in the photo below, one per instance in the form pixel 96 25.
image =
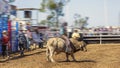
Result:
pixel 41 42
pixel 28 35
pixel 22 42
pixel 5 44
pixel 36 38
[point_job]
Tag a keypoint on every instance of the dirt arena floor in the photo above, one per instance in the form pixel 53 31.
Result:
pixel 97 56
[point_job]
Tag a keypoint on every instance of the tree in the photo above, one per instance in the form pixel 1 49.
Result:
pixel 46 22
pixel 54 8
pixel 80 22
pixel 43 22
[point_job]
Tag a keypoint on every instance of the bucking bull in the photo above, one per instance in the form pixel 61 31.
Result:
pixel 57 45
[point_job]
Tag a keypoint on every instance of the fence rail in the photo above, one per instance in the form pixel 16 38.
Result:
pixel 101 37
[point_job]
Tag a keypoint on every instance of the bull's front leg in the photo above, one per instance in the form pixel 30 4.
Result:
pixel 72 55
pixel 51 56
pixel 85 49
pixel 84 46
pixel 67 57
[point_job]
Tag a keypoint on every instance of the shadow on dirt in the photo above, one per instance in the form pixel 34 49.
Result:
pixel 14 57
pixel 18 57
pixel 4 60
pixel 80 61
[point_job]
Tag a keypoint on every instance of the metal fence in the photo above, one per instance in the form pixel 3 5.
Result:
pixel 101 37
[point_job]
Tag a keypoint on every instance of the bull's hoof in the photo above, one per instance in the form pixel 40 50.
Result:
pixel 74 60
pixel 53 61
pixel 48 60
pixel 85 50
pixel 56 53
pixel 67 60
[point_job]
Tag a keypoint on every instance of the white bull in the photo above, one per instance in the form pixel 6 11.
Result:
pixel 58 45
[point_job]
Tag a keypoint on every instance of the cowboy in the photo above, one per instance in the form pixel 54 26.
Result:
pixel 5 42
pixel 63 33
pixel 75 35
pixel 22 42
pixel 28 36
pixel 37 38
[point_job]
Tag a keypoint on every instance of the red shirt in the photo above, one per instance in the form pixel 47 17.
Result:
pixel 5 40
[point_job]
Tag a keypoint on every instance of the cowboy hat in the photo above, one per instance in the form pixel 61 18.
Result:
pixel 4 31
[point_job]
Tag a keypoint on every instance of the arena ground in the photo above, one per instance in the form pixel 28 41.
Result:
pixel 97 56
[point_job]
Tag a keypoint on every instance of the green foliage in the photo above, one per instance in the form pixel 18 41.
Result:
pixel 11 1
pixel 55 9
pixel 51 5
pixel 49 17
pixel 81 22
pixel 42 10
pixel 47 22
pixel 43 6
pixel 44 22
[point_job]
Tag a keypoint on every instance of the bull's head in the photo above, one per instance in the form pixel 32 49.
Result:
pixel 83 45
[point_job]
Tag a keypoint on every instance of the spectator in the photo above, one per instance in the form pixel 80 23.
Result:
pixel 28 35
pixel 22 41
pixel 5 42
pixel 36 37
pixel 41 42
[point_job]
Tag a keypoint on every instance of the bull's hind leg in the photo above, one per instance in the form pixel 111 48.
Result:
pixel 51 55
pixel 67 57
pixel 47 54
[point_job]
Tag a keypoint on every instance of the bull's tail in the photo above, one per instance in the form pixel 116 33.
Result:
pixel 47 53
